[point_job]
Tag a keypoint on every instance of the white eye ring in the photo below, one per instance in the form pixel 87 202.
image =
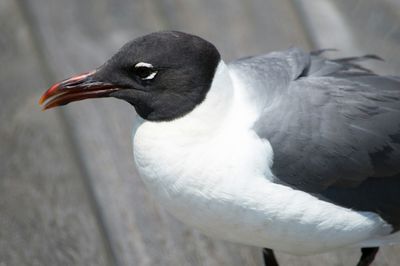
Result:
pixel 147 65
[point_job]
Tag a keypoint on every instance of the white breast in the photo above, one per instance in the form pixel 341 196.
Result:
pixel 211 171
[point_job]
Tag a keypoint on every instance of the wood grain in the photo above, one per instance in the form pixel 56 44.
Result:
pixel 46 215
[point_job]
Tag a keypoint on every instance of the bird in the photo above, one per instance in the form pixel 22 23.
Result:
pixel 288 151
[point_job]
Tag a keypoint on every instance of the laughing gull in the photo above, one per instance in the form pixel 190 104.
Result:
pixel 289 150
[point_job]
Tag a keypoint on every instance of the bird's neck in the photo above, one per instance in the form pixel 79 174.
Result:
pixel 205 119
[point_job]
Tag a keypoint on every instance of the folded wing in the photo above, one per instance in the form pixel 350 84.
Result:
pixel 334 127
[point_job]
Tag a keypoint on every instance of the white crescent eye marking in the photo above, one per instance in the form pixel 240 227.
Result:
pixel 151 76
pixel 149 66
pixel 143 64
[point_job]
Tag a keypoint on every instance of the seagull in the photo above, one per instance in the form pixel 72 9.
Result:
pixel 287 151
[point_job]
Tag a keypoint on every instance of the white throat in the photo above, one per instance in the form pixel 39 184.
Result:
pixel 205 118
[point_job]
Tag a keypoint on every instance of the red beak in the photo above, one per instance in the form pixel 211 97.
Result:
pixel 80 87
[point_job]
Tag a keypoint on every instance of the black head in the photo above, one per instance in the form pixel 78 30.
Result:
pixel 164 75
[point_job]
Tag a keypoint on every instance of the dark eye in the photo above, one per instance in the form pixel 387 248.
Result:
pixel 145 71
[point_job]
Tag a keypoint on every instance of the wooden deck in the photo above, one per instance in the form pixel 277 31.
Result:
pixel 69 192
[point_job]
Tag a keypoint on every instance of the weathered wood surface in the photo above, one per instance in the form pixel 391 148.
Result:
pixel 80 157
pixel 46 214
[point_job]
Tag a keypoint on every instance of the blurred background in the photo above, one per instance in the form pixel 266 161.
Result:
pixel 69 192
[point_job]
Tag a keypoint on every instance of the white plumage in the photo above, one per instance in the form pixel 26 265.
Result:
pixel 213 173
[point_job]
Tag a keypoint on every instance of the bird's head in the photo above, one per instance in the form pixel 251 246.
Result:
pixel 164 75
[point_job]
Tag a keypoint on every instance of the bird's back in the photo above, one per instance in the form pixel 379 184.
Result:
pixel 334 127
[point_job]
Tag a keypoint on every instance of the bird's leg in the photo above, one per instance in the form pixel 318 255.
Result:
pixel 269 257
pixel 367 256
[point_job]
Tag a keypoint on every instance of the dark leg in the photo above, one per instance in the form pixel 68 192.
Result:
pixel 367 256
pixel 269 257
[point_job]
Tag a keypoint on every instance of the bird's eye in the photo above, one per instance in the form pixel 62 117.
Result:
pixel 145 71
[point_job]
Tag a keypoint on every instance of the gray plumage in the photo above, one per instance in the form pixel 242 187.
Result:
pixel 334 127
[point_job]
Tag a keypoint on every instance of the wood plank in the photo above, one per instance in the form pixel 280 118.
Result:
pixel 238 28
pixel 356 28
pixel 46 216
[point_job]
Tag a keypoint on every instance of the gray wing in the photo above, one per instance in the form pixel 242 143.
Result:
pixel 334 126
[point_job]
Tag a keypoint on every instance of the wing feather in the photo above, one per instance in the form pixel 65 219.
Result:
pixel 332 122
